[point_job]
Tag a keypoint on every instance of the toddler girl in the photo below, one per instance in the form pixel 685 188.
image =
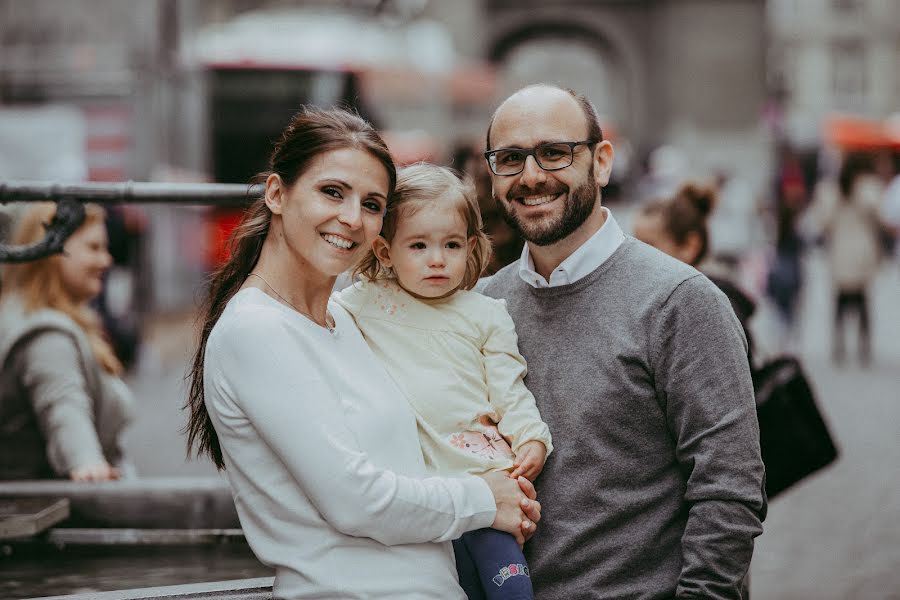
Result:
pixel 453 353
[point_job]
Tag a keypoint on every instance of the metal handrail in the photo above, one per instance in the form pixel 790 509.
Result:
pixel 71 196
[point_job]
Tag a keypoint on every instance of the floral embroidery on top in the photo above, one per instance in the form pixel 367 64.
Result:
pixel 385 300
pixel 488 444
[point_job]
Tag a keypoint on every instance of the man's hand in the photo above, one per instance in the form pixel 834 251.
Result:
pixel 529 460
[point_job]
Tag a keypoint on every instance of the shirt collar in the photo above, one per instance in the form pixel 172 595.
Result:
pixel 583 261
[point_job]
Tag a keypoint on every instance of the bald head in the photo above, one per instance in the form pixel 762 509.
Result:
pixel 540 101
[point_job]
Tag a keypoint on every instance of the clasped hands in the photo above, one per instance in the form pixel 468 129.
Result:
pixel 518 510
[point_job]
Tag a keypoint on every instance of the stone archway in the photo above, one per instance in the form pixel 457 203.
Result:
pixel 617 83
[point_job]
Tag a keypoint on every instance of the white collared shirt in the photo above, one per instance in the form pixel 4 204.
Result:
pixel 584 260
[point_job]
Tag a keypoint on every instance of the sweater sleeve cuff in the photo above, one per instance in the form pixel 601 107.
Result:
pixel 473 506
pixel 540 433
pixel 72 451
pixel 476 505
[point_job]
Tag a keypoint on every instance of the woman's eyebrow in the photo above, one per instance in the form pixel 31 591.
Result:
pixel 340 182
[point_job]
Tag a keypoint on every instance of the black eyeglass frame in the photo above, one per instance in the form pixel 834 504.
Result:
pixel 532 152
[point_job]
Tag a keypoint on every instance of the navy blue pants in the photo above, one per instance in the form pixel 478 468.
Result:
pixel 491 566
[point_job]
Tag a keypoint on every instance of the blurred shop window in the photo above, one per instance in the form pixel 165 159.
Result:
pixel 849 75
pixel 250 105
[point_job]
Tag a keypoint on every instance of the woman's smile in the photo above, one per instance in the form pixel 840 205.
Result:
pixel 338 241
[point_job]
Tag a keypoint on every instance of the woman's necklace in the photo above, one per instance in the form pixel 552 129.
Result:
pixel 329 320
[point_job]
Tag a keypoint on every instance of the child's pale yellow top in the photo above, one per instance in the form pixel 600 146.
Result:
pixel 457 361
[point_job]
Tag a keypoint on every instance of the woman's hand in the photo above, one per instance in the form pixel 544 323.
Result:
pixel 517 509
pixel 98 472
pixel 530 506
pixel 530 460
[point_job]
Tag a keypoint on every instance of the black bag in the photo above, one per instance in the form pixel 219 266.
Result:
pixel 793 436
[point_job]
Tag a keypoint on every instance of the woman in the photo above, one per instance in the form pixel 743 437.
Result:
pixel 847 216
pixel 320 449
pixel 62 404
pixel 679 227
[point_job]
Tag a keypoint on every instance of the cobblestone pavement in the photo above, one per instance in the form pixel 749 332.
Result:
pixel 835 536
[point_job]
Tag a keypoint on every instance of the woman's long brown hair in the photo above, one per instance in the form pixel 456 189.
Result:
pixel 310 133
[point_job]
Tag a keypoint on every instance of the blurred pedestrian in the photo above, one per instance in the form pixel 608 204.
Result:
pixel 319 444
pixel 639 367
pixel 120 303
pixel 785 277
pixel 845 213
pixel 63 406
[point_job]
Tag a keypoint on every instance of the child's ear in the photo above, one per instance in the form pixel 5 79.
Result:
pixel 382 251
pixel 471 244
pixel 274 193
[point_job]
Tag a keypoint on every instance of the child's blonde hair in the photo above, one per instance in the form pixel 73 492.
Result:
pixel 421 184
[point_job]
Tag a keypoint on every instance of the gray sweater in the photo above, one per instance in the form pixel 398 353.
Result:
pixel 655 488
pixel 58 408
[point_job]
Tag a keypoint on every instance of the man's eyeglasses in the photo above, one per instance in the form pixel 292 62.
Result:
pixel 550 157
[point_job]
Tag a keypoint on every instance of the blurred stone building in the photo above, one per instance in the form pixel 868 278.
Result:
pixel 196 89
pixel 689 74
pixel 685 72
pixel 830 56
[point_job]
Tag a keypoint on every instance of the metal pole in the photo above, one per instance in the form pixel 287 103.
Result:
pixel 218 194
pixel 70 197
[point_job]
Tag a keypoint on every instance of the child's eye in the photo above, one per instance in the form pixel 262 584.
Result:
pixel 454 245
pixel 417 245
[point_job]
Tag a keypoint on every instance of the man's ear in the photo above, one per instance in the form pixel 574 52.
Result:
pixel 382 250
pixel 603 162
pixel 275 192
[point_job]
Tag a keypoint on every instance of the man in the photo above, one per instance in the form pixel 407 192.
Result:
pixel 639 366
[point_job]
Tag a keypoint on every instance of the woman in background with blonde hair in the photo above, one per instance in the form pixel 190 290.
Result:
pixel 62 403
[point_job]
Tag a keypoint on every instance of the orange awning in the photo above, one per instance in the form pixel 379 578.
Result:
pixel 860 134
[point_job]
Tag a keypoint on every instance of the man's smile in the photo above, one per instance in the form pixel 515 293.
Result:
pixel 538 200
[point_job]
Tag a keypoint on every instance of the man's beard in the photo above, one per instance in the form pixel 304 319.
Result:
pixel 579 206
